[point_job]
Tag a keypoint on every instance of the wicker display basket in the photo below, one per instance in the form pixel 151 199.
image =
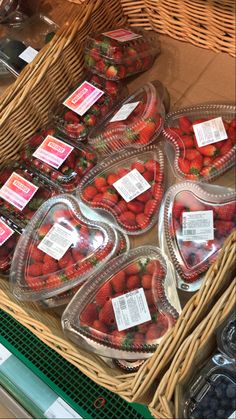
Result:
pixel 41 85
pixel 195 350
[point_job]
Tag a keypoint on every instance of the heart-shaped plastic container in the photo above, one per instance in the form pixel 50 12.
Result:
pixel 121 52
pixel 56 159
pixel 22 191
pixel 127 188
pixel 195 219
pixel 136 122
pixel 60 249
pixel 9 236
pixel 125 311
pixel 195 147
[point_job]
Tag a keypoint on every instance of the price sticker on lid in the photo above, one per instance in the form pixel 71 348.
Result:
pixel 210 132
pixel 122 35
pixel 198 225
pixel 5 232
pixel 18 191
pixel 57 241
pixel 124 112
pixel 131 185
pixel 81 100
pixel 53 151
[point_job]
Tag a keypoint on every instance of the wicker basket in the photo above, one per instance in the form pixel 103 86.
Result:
pixel 192 353
pixel 39 87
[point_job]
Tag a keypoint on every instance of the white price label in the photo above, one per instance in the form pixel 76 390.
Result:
pixel 57 241
pixel 124 112
pixel 233 415
pixel 131 309
pixel 61 410
pixel 4 354
pixel 28 55
pixel 198 225
pixel 131 185
pixel 210 132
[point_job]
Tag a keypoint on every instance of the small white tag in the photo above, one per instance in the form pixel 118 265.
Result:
pixel 28 55
pixel 124 112
pixel 233 415
pixel 4 354
pixel 61 410
pixel 210 132
pixel 57 241
pixel 131 309
pixel 198 225
pixel 131 185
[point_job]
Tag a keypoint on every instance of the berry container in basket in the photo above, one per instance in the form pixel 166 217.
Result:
pixel 125 311
pixel 59 250
pixel 9 236
pixel 195 220
pixel 22 192
pixel 65 297
pixel 127 188
pixel 54 158
pixel 201 141
pixel 137 121
pixel 121 52
pixel 226 336
pixel 84 106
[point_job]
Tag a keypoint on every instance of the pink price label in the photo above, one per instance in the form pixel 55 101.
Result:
pixel 18 191
pixel 53 151
pixel 5 232
pixel 122 35
pixel 81 100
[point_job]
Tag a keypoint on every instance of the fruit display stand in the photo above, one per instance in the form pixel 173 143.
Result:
pixel 192 75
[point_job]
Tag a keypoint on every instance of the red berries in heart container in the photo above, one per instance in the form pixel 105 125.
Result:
pixel 125 311
pixel 121 52
pixel 59 250
pixel 55 159
pixel 127 188
pixel 22 192
pixel 9 236
pixel 195 220
pixel 201 141
pixel 137 121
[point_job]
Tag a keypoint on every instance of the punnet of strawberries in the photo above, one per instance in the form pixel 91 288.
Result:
pixel 136 128
pixel 97 190
pixel 77 127
pixel 9 236
pixel 193 255
pixel 205 162
pixel 108 310
pixel 46 190
pixel 116 58
pixel 59 250
pixel 68 175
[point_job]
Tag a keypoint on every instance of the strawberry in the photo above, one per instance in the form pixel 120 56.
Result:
pixel 149 298
pixel 110 196
pixel 111 87
pixel 138 339
pixel 209 150
pixel 100 181
pixel 153 166
pixel 226 147
pixel 112 178
pixel 231 132
pixel 121 71
pixel 106 314
pixel 191 154
pixel 150 207
pixel 142 220
pixel 118 281
pixel 133 268
pixel 233 123
pixel 146 132
pixel 121 207
pixel 122 172
pixel 223 228
pixel 139 166
pixel 104 294
pixel 89 314
pixel 147 281
pixel 132 282
pixel 184 165
pixel 35 269
pixel 196 165
pixel 89 192
pixel 76 254
pixel 145 196
pixel 149 176
pixel 43 230
pixel 177 210
pixel 188 141
pixel 97 199
pixel 128 218
pixel 71 117
pixel 49 267
pixel 111 72
pixel 100 326
pixel 66 260
pixel 207 161
pixel 135 207
pixel 185 125
pixel 36 254
pixel 226 212
pixel 207 171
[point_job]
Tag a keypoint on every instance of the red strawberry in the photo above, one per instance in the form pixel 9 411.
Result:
pixel 122 172
pixel 71 117
pixel 35 269
pixel 196 165
pixel 209 150
pixel 145 196
pixel 185 124
pixel 207 171
pixel 97 199
pixel 191 154
pixel 138 339
pixel 207 161
pixel 139 166
pixel 106 314
pixel 36 254
pixel 149 298
pixel 188 141
pixel 132 282
pixel 118 281
pixel 149 176
pixel 110 196
pixel 153 166
pixel 43 230
pixel 178 209
pixel 142 220
pixel 89 314
pixel 66 260
pixel 133 269
pixel 223 228
pixel 128 218
pixel 231 134
pixel 89 192
pixel 98 325
pixel 121 207
pixel 49 267
pixel 226 148
pixel 153 333
pixel 184 165
pixel 146 132
pixel 100 181
pixel 76 254
pixel 111 72
pixel 147 281
pixel 226 212
pixel 112 178
pixel 111 87
pixel 121 71
pixel 104 294
pixel 233 123
pixel 150 207
pixel 135 207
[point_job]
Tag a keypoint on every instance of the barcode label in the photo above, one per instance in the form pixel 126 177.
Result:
pixel 131 185
pixel 124 112
pixel 210 132
pixel 61 410
pixel 131 309
pixel 57 241
pixel 198 225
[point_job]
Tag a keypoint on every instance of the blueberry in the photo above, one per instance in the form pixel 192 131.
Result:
pixel 233 404
pixel 213 404
pixel 231 391
pixel 204 402
pixel 224 403
pixel 206 413
pixel 209 416
pixel 220 414
pixel 219 393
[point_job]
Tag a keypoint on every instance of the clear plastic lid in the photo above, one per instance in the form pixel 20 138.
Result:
pixel 64 298
pixel 125 311
pixel 226 336
pixel 53 157
pixel 9 236
pixel 195 220
pixel 137 121
pixel 84 106
pixel 22 192
pixel 127 188
pixel 59 250
pixel 121 52
pixel 201 141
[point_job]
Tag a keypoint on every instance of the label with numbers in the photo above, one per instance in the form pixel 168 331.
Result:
pixel 198 225
pixel 131 185
pixel 53 151
pixel 57 241
pixel 122 35
pixel 81 100
pixel 124 112
pixel 28 54
pixel 210 132
pixel 4 354
pixel 131 309
pixel 61 410
pixel 18 191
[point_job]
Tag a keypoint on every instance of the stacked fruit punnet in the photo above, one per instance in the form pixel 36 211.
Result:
pixel 139 214
pixel 140 128
pixel 7 247
pixel 72 170
pixel 116 60
pixel 200 163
